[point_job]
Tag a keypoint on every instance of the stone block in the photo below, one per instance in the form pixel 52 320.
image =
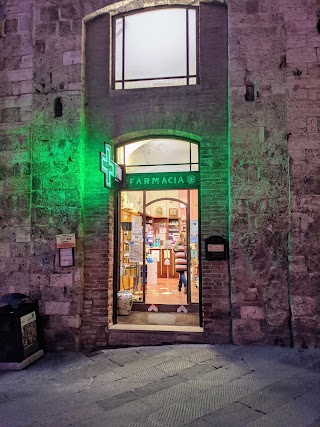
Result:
pixel 10 115
pixel 23 234
pixel 17 75
pixel 39 280
pixel 48 14
pixel 252 7
pixel 312 124
pixel 72 57
pixel 4 249
pixel 252 312
pixel 56 307
pixel 20 88
pixel 5 88
pixel 303 306
pixel 277 318
pixel 71 321
pixel 61 279
pixel 26 61
pixel 18 101
pixel 296 14
pixel 65 28
pixel 246 331
pixel 68 11
pixel 11 25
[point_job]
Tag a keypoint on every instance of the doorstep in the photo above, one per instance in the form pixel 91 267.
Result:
pixel 144 335
pixel 164 328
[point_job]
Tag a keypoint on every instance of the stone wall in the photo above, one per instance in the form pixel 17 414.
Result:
pixel 47 150
pixel 303 132
pixel 259 173
pixel 41 152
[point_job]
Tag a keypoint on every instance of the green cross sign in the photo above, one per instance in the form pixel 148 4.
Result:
pixel 108 166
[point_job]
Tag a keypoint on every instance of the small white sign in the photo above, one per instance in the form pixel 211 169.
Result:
pixel 66 257
pixel 66 241
pixel 167 261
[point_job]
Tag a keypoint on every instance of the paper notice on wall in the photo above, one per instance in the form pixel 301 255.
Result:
pixel 136 223
pixel 135 251
pixel 66 241
pixel 156 255
pixel 194 226
pixel 136 230
pixel 28 330
pixel 136 235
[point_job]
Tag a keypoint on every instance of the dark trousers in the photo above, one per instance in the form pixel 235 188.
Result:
pixel 182 280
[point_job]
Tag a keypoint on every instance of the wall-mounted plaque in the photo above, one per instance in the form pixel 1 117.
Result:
pixel 216 248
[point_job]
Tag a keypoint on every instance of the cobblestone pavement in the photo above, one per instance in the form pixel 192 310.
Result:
pixel 186 385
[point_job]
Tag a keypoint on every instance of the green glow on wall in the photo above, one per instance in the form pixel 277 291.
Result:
pixel 108 166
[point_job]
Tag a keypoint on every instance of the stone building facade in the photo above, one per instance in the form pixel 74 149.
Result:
pixel 255 113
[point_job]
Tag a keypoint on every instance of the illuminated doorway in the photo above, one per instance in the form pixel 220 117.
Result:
pixel 158 203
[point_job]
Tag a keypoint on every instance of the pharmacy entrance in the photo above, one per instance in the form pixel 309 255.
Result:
pixel 158 232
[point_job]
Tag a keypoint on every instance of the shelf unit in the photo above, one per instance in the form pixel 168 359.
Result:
pixel 173 228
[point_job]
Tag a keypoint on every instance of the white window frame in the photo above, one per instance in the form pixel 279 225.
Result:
pixel 118 63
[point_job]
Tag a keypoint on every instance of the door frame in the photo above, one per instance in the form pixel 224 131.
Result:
pixel 116 283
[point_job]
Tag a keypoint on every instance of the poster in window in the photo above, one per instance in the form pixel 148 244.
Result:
pixel 135 251
pixel 29 332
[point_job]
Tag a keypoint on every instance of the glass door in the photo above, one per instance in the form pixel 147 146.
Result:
pixel 151 224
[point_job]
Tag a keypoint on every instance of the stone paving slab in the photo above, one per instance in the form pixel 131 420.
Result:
pixel 171 395
pixel 157 386
pixel 166 386
pixel 277 394
pixel 234 415
pixel 297 413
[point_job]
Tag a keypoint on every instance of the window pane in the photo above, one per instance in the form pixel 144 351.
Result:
pixel 118 49
pixel 155 83
pixel 120 156
pixel 192 43
pixel 155 44
pixel 155 152
pixel 193 81
pixel 194 153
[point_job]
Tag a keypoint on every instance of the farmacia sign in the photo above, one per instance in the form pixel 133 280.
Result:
pixel 150 181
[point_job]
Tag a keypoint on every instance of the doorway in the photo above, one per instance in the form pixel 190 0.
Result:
pixel 151 223
pixel 157 205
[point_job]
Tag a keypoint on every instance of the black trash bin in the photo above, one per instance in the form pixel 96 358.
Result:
pixel 19 330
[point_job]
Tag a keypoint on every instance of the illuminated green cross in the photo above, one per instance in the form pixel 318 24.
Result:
pixel 108 166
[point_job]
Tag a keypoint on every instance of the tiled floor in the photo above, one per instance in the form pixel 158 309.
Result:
pixel 166 292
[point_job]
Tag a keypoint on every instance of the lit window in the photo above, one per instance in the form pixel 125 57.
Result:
pixel 155 48
pixel 158 155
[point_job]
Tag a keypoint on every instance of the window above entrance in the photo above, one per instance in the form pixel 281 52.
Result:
pixel 158 155
pixel 155 47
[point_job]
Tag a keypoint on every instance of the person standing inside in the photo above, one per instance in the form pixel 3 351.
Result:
pixel 180 249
